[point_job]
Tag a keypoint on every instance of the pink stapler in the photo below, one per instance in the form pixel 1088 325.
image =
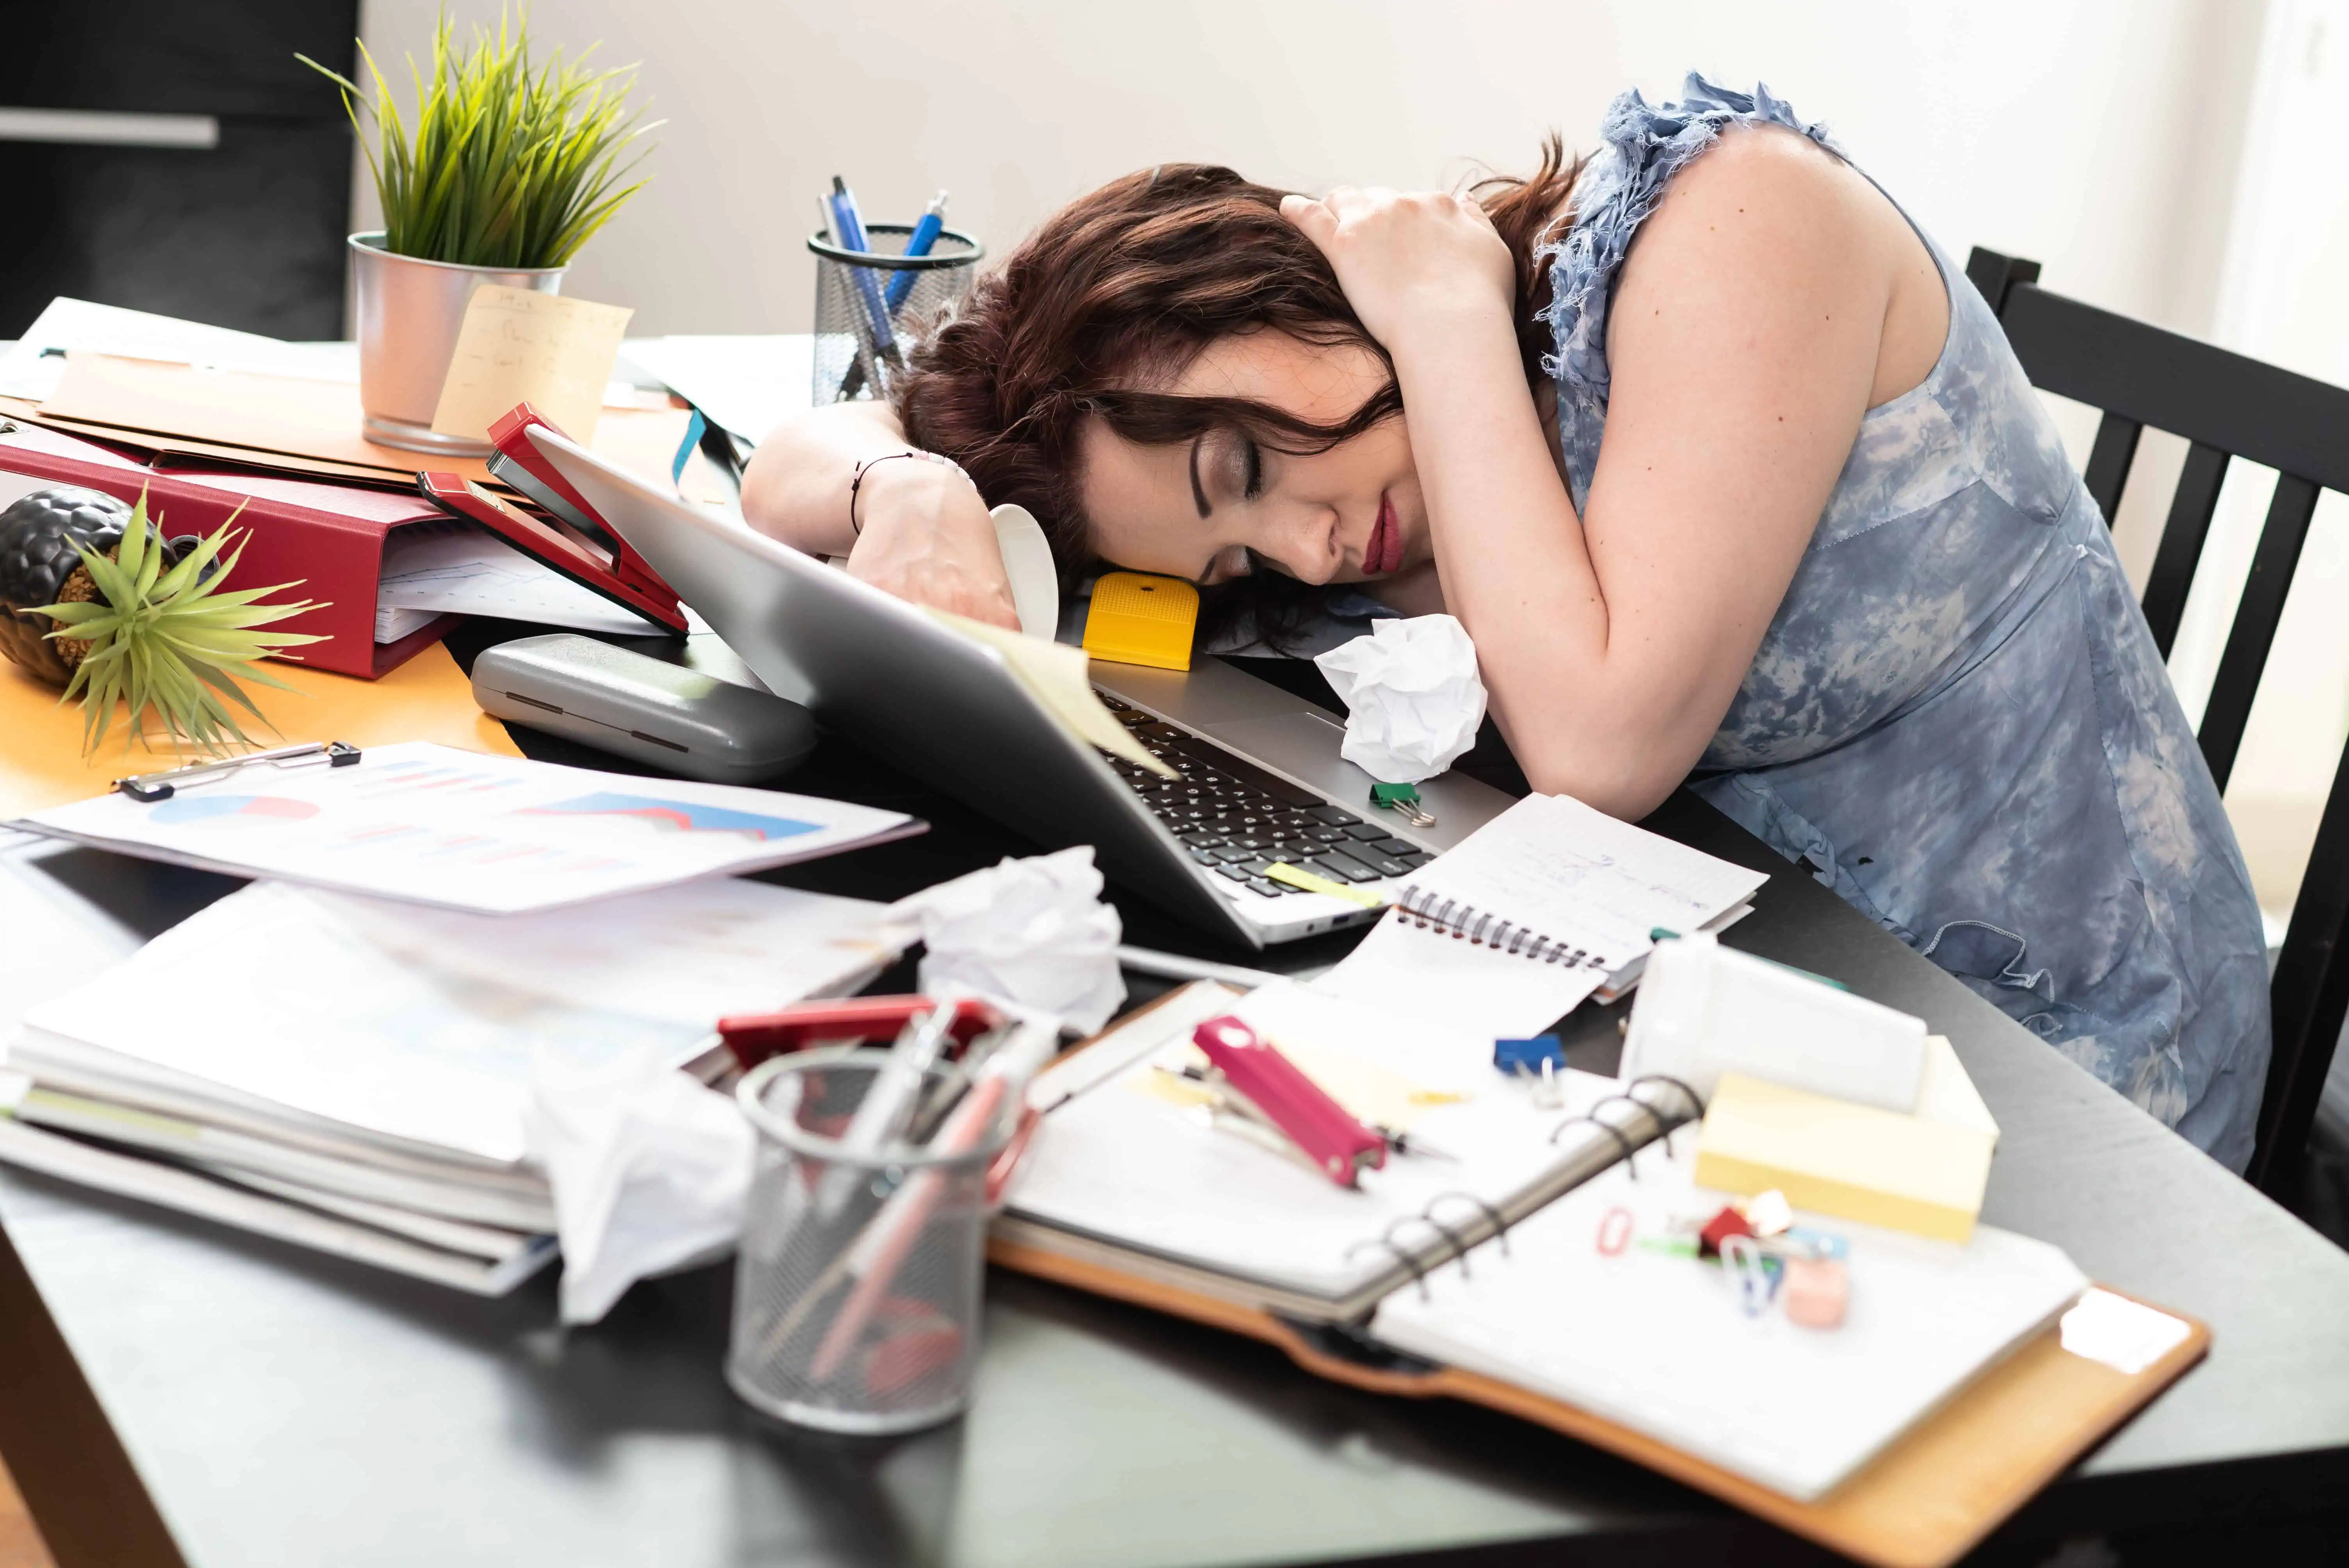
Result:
pixel 1274 1089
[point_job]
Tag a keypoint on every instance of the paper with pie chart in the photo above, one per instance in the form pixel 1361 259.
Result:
pixel 496 835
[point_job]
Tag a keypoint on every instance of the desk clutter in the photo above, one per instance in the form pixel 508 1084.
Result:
pixel 479 1012
pixel 1790 1303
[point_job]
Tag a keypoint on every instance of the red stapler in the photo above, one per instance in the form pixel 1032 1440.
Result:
pixel 572 540
pixel 752 1037
pixel 1276 1090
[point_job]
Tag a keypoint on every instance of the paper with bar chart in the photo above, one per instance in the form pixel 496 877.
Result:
pixel 496 835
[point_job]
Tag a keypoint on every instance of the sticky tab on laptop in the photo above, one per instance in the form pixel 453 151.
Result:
pixel 1137 619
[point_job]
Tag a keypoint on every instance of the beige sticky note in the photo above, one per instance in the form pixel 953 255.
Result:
pixel 1923 1172
pixel 1058 675
pixel 521 347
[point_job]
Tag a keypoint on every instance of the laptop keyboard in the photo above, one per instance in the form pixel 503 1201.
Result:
pixel 1237 819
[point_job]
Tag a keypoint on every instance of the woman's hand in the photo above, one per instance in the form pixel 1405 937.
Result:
pixel 925 536
pixel 1409 260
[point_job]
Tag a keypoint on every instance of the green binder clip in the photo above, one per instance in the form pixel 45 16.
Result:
pixel 1403 800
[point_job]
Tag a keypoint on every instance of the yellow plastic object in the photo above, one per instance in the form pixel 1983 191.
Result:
pixel 1922 1172
pixel 1138 619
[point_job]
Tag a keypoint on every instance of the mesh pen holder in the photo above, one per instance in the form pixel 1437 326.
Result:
pixel 872 306
pixel 857 1289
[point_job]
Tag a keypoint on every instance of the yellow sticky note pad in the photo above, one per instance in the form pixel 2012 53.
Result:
pixel 1137 619
pixel 518 345
pixel 1922 1172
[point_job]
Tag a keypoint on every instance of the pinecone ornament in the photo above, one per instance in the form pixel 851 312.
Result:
pixel 93 599
pixel 40 563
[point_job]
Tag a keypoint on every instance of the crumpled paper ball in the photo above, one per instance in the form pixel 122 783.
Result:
pixel 1412 697
pixel 649 1171
pixel 1034 932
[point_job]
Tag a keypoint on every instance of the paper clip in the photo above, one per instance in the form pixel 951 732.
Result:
pixel 1614 1231
pixel 1754 1272
pixel 153 787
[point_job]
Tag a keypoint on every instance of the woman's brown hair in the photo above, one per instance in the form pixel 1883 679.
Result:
pixel 1116 293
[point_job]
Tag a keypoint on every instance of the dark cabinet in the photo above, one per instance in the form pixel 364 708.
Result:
pixel 246 231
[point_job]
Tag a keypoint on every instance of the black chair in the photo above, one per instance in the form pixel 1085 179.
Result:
pixel 2228 407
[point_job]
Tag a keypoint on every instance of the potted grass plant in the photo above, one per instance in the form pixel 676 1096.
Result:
pixel 510 168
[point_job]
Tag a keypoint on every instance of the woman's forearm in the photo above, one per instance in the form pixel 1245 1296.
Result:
pixel 1516 566
pixel 796 487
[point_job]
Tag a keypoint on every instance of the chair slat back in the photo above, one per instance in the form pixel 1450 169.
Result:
pixel 2229 406
pixel 2192 507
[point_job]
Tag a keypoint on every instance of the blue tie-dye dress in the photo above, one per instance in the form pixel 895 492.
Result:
pixel 1958 716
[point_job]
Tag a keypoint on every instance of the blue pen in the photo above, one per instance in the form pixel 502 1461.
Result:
pixel 925 234
pixel 848 233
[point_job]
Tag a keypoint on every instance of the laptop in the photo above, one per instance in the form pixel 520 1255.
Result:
pixel 1259 777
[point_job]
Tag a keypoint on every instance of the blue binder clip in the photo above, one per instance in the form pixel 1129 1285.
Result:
pixel 1539 1054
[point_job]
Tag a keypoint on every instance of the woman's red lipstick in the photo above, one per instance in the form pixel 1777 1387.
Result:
pixel 1382 551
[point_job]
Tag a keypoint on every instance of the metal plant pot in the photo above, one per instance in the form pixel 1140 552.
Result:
pixel 410 313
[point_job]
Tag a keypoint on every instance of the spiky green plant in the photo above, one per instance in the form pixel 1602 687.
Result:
pixel 167 643
pixel 511 165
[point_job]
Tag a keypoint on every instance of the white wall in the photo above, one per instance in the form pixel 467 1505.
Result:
pixel 2097 136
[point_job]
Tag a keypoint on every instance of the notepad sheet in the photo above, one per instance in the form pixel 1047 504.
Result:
pixel 1133 1159
pixel 496 835
pixel 1656 1343
pixel 1557 867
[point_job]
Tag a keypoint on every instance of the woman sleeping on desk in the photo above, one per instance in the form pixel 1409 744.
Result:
pixel 1730 475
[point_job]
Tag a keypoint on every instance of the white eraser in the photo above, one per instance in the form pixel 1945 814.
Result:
pixel 1703 1010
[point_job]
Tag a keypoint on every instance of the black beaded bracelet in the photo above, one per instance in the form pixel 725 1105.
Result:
pixel 856 477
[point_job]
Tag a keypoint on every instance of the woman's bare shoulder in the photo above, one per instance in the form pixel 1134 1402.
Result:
pixel 1791 222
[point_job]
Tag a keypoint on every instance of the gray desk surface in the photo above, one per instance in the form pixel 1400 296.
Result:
pixel 278 1406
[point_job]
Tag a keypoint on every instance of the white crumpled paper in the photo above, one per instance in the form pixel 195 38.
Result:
pixel 649 1171
pixel 1413 699
pixel 1033 931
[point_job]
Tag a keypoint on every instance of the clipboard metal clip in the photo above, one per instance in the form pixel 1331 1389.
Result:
pixel 1269 1087
pixel 154 787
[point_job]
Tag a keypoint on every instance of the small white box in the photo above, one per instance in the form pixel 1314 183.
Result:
pixel 1704 1009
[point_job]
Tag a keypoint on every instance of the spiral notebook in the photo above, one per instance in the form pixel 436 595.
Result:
pixel 1546 904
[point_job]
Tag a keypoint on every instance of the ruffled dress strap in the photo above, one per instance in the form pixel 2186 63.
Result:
pixel 1644 145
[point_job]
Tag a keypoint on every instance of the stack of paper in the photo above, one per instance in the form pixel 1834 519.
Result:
pixel 351 1075
pixel 461 570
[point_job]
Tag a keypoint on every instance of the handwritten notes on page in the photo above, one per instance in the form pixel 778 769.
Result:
pixel 521 347
pixel 1548 865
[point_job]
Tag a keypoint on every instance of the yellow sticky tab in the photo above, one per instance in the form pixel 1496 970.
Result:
pixel 1137 619
pixel 1306 881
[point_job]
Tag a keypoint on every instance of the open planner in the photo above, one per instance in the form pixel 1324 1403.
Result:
pixel 1471 1264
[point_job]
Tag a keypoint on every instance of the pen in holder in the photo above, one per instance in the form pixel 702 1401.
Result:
pixel 856 1291
pixel 867 317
